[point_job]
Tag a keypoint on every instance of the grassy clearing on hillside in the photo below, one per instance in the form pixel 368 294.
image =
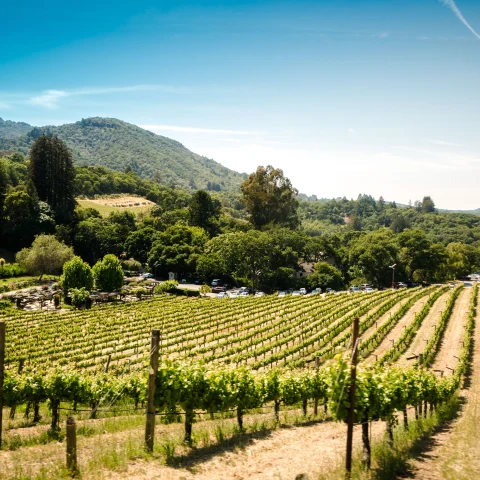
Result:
pixel 117 203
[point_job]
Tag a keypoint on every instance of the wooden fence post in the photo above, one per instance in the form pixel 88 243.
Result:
pixel 14 407
pixel 315 401
pixel 351 410
pixel 2 366
pixel 71 446
pixel 108 363
pixel 152 379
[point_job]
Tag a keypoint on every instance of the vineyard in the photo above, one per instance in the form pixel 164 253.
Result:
pixel 237 358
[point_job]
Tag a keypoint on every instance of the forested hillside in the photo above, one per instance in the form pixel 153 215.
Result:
pixel 118 145
pixel 9 129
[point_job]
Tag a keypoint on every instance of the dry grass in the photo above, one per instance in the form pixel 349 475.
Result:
pixel 117 203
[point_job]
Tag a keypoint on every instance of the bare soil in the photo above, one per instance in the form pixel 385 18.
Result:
pixel 396 331
pixel 452 453
pixel 451 344
pixel 426 329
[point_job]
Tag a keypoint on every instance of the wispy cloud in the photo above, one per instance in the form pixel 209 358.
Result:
pixel 451 4
pixel 51 98
pixel 176 128
pixel 381 35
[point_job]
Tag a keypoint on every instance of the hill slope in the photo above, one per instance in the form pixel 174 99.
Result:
pixel 9 129
pixel 119 145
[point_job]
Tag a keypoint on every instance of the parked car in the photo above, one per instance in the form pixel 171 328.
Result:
pixel 329 290
pixel 218 289
pixel 296 293
pixel 222 295
pixel 233 294
pixel 316 291
pixel 282 294
pixel 216 282
pixel 467 284
pixel 303 291
pixel 259 294
pixel 354 289
pixel 147 275
pixel 197 282
pixel 243 289
pixel 244 294
pixel 368 290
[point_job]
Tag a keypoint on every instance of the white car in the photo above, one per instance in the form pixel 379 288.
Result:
pixel 233 294
pixel 282 294
pixel 303 291
pixel 221 295
pixel 368 290
pixel 259 294
pixel 296 293
pixel 244 294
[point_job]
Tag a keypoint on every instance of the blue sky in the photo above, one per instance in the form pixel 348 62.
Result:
pixel 347 97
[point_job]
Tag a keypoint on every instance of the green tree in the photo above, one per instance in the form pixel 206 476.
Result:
pixel 139 243
pixel 77 274
pixel 326 276
pixel 428 205
pixel 53 174
pixel 211 265
pixel 270 198
pixel 46 256
pixel 177 250
pixel 108 274
pixel 371 254
pixel 415 251
pixel 204 211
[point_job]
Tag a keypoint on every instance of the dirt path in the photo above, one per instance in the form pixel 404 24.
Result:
pixel 451 343
pixel 283 455
pixel 426 329
pixel 453 453
pixel 396 331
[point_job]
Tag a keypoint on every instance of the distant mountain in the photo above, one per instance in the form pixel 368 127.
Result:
pixel 118 145
pixel 9 129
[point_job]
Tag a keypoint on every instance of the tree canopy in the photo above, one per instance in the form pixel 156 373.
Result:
pixel 46 256
pixel 270 198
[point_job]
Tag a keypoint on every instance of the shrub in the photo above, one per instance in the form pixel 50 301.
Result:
pixel 108 274
pixel 140 291
pixel 80 296
pixel 9 270
pixel 77 274
pixel 204 289
pixel 131 265
pixel 166 287
pixel 56 300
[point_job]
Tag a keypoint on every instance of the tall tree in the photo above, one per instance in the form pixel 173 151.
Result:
pixel 270 198
pixel 46 255
pixel 53 174
pixel 203 211
pixel 428 205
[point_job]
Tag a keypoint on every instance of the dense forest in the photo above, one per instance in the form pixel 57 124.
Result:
pixel 118 145
pixel 264 234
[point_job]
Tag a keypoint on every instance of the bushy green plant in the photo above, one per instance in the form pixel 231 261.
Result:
pixel 108 274
pixel 140 291
pixel 8 270
pixel 166 287
pixel 80 296
pixel 131 265
pixel 77 274
pixel 204 289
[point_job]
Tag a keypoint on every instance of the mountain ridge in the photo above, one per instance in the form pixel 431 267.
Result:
pixel 113 143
